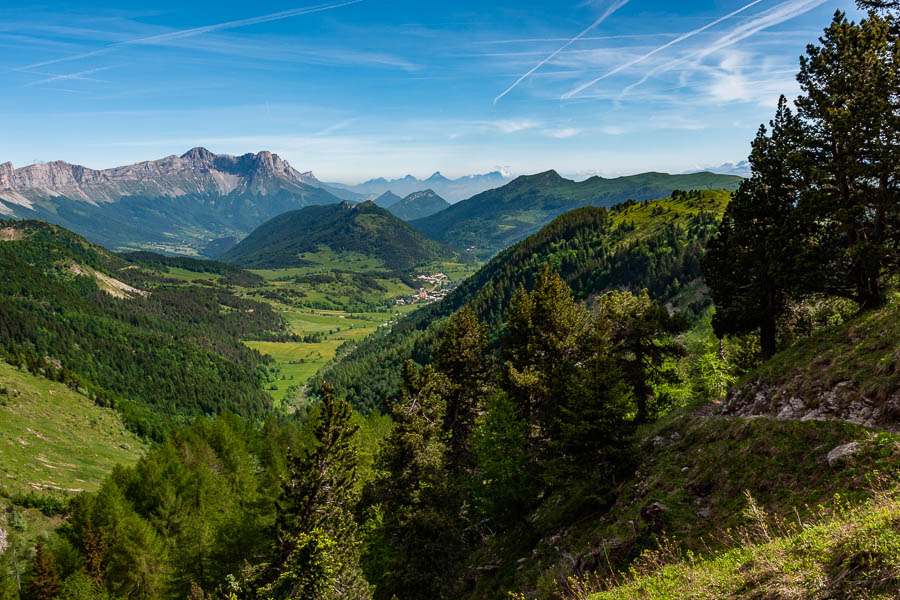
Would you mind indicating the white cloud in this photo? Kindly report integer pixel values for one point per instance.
(563, 133)
(513, 126)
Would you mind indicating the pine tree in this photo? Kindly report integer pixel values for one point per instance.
(545, 332)
(462, 358)
(44, 583)
(422, 525)
(316, 555)
(750, 264)
(878, 4)
(852, 116)
(640, 333)
(94, 551)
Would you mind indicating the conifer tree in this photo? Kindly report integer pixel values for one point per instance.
(640, 334)
(545, 332)
(878, 4)
(750, 264)
(94, 551)
(852, 115)
(44, 583)
(462, 358)
(316, 555)
(422, 525)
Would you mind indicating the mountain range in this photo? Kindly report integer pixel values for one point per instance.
(178, 204)
(493, 220)
(202, 203)
(453, 190)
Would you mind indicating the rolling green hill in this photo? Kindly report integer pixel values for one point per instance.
(363, 229)
(496, 219)
(655, 244)
(419, 205)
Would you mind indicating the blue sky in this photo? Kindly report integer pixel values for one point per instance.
(366, 88)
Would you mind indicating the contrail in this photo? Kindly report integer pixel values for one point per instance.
(197, 31)
(80, 75)
(773, 16)
(602, 18)
(681, 38)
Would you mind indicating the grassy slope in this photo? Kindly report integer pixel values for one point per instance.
(824, 531)
(53, 438)
(863, 351)
(699, 468)
(849, 551)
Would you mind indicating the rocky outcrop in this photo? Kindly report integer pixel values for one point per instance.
(7, 174)
(841, 452)
(843, 401)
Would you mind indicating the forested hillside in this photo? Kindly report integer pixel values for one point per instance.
(496, 219)
(655, 245)
(125, 335)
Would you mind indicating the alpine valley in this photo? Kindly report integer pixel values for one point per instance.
(224, 379)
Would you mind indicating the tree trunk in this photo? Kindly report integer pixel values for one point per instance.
(767, 339)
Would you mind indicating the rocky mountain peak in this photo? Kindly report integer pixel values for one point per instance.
(200, 156)
(266, 163)
(56, 174)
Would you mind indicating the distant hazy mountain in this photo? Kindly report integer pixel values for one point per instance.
(419, 205)
(365, 229)
(740, 168)
(176, 204)
(453, 190)
(496, 219)
(387, 199)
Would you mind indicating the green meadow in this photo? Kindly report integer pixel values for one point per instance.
(54, 439)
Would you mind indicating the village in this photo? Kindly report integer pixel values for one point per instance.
(435, 287)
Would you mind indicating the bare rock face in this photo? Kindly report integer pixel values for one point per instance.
(7, 174)
(198, 171)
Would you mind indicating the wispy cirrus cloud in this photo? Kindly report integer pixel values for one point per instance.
(194, 31)
(564, 133)
(606, 14)
(513, 126)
